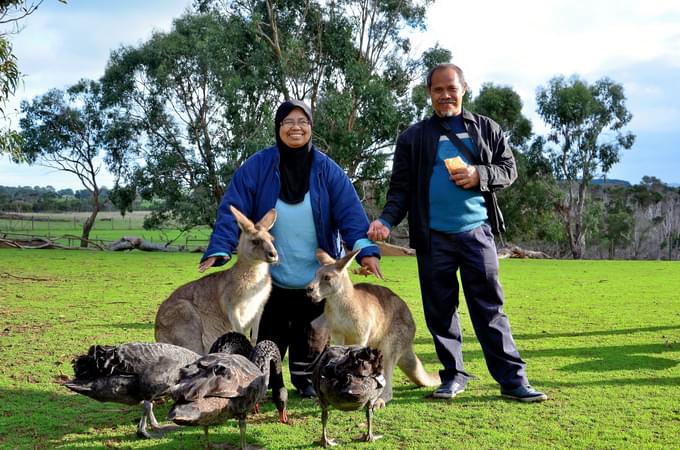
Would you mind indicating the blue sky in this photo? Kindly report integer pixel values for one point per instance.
(521, 44)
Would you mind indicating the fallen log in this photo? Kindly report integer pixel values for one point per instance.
(514, 251)
(34, 243)
(137, 243)
(395, 250)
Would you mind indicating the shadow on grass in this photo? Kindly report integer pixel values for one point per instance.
(600, 358)
(41, 419)
(596, 358)
(411, 395)
(610, 358)
(624, 331)
(653, 382)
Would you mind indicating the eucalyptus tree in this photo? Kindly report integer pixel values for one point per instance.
(199, 100)
(201, 96)
(586, 123)
(72, 132)
(351, 61)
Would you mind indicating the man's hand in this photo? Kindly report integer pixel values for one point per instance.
(370, 265)
(209, 262)
(466, 177)
(377, 231)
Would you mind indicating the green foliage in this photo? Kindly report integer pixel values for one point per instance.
(619, 220)
(202, 95)
(612, 377)
(9, 72)
(528, 205)
(10, 142)
(504, 105)
(579, 115)
(586, 123)
(194, 95)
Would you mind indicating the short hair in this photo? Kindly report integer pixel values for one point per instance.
(459, 71)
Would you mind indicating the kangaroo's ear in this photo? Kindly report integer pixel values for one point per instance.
(267, 221)
(243, 222)
(324, 258)
(345, 261)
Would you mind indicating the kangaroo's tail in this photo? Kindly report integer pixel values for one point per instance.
(414, 370)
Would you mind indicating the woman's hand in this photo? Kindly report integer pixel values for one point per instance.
(210, 261)
(370, 264)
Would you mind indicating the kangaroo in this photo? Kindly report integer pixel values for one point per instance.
(367, 315)
(199, 312)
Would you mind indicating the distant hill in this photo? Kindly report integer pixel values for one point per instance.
(610, 182)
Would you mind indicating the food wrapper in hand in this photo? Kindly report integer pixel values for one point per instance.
(454, 163)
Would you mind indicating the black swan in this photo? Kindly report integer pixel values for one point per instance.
(348, 378)
(236, 343)
(129, 374)
(220, 386)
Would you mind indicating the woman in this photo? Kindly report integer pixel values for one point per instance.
(316, 205)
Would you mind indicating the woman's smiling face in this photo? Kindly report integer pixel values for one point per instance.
(295, 130)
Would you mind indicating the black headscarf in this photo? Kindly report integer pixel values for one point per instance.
(295, 163)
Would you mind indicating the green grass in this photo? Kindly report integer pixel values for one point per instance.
(602, 338)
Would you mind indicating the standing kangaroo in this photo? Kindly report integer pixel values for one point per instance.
(199, 312)
(368, 315)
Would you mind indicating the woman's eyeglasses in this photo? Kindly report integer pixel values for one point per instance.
(299, 122)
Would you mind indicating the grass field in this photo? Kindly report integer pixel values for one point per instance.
(602, 338)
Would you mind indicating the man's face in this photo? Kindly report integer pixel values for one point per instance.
(446, 93)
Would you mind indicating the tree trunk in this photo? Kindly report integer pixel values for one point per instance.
(89, 223)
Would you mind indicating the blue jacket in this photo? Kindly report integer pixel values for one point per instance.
(254, 190)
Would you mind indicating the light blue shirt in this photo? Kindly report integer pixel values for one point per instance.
(295, 241)
(452, 208)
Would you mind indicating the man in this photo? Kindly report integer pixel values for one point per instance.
(449, 226)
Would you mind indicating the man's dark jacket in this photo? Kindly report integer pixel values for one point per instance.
(414, 158)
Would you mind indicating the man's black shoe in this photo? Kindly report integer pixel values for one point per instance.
(525, 394)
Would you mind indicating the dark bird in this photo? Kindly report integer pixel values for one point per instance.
(129, 374)
(348, 378)
(220, 386)
(236, 343)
